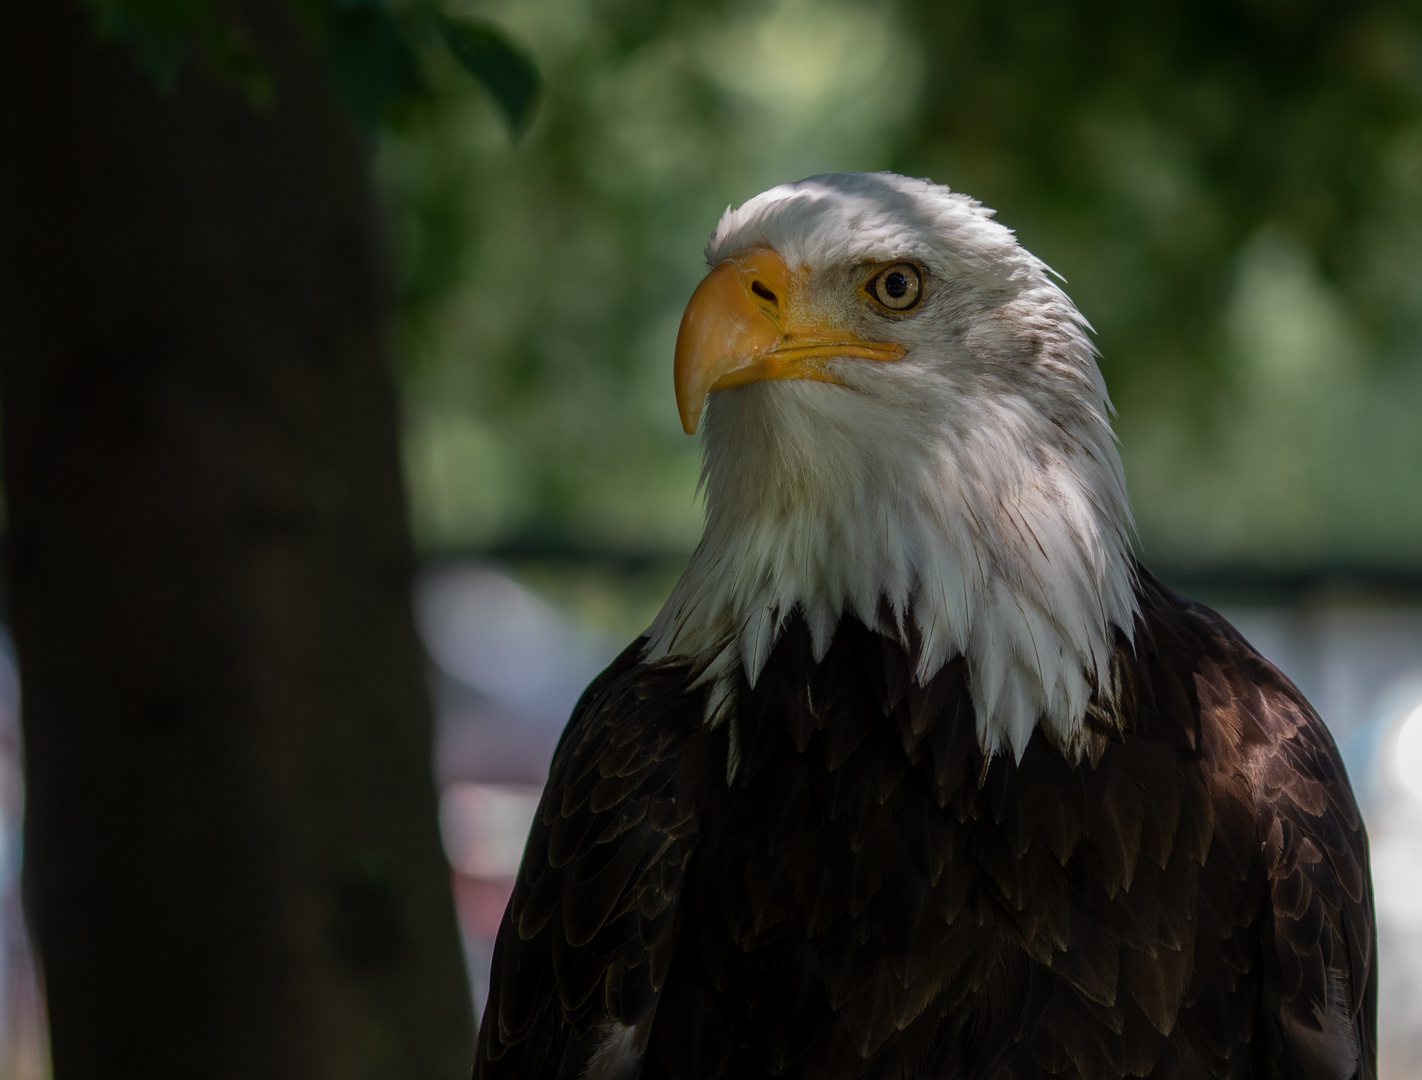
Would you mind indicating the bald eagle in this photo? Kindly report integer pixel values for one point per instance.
(919, 773)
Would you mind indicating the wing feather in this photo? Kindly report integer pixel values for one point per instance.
(587, 940)
(1318, 1020)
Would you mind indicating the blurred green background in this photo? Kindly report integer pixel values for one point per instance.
(1233, 193)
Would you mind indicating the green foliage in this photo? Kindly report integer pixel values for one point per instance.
(158, 32)
(1232, 190)
(1163, 136)
(370, 59)
(494, 60)
(166, 34)
(373, 51)
(375, 54)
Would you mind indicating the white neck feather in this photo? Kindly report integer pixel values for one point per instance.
(1017, 561)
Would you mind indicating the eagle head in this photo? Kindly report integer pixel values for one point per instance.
(902, 419)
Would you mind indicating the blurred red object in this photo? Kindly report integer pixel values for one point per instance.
(484, 828)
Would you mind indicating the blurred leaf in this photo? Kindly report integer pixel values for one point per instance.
(230, 55)
(369, 59)
(165, 34)
(487, 54)
(160, 32)
(154, 16)
(369, 52)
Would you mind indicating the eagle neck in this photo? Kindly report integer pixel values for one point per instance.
(953, 545)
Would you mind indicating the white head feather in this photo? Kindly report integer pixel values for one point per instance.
(974, 485)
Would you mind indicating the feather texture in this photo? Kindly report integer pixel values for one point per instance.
(918, 774)
(873, 895)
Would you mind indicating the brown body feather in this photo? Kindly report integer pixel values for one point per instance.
(868, 896)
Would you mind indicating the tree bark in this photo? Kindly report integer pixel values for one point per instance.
(232, 859)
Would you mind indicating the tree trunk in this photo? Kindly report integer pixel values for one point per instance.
(232, 859)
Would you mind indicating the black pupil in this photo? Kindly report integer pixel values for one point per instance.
(896, 284)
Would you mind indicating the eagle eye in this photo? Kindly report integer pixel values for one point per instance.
(898, 286)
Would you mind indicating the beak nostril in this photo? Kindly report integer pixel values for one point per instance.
(760, 290)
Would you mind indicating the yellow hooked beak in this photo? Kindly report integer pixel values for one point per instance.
(735, 331)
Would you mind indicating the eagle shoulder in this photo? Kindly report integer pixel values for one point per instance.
(1277, 779)
(590, 930)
